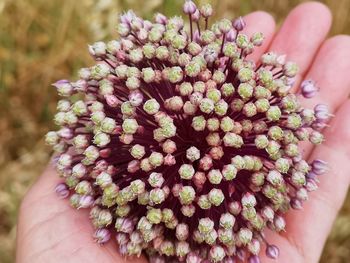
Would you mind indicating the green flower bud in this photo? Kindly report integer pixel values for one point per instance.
(187, 195)
(130, 126)
(245, 74)
(275, 133)
(233, 140)
(230, 50)
(154, 216)
(242, 40)
(203, 202)
(186, 171)
(274, 113)
(216, 196)
(245, 90)
(157, 196)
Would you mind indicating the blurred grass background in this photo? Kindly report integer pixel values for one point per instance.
(42, 41)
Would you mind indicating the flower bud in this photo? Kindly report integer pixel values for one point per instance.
(308, 88)
(64, 88)
(216, 196)
(217, 253)
(187, 195)
(272, 251)
(86, 201)
(239, 23)
(189, 7)
(245, 235)
(227, 221)
(182, 232)
(98, 49)
(62, 190)
(206, 10)
(248, 200)
(102, 235)
(319, 167)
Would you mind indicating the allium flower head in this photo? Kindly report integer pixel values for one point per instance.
(180, 146)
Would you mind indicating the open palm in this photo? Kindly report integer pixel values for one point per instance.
(50, 231)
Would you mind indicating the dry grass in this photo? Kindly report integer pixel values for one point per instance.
(42, 41)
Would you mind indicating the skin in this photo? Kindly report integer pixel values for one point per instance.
(50, 231)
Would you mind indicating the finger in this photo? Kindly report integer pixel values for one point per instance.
(330, 71)
(41, 199)
(302, 33)
(260, 22)
(308, 229)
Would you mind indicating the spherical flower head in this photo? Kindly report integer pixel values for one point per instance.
(180, 146)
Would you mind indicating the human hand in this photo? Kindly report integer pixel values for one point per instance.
(50, 231)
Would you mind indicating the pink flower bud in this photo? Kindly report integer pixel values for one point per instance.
(296, 204)
(231, 35)
(133, 166)
(80, 85)
(122, 238)
(311, 185)
(125, 225)
(199, 179)
(279, 223)
(248, 200)
(105, 153)
(196, 36)
(196, 15)
(272, 251)
(112, 101)
(127, 17)
(322, 112)
(319, 167)
(189, 7)
(86, 201)
(254, 259)
(65, 133)
(206, 162)
(64, 87)
(239, 24)
(193, 258)
(135, 98)
(308, 88)
(160, 19)
(79, 170)
(101, 165)
(102, 236)
(62, 190)
(123, 250)
(169, 160)
(319, 125)
(235, 207)
(182, 232)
